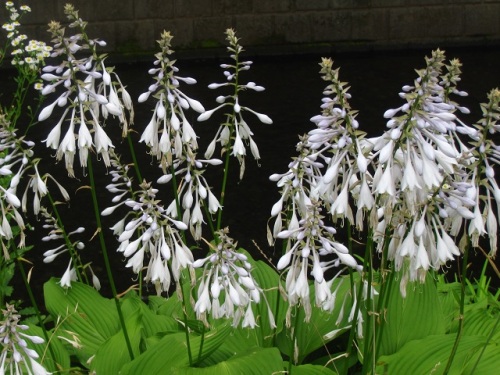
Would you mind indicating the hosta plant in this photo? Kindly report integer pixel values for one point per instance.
(363, 224)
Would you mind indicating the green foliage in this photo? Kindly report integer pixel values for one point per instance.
(415, 316)
(54, 357)
(83, 311)
(430, 355)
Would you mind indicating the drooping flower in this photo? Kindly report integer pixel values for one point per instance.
(87, 90)
(17, 355)
(234, 133)
(227, 287)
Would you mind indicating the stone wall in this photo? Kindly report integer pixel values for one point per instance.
(277, 26)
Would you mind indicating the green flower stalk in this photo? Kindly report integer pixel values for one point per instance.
(319, 179)
(173, 142)
(234, 131)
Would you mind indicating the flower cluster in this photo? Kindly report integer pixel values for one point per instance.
(31, 54)
(306, 190)
(487, 193)
(16, 357)
(234, 132)
(173, 141)
(227, 275)
(16, 161)
(148, 234)
(90, 95)
(75, 270)
(421, 180)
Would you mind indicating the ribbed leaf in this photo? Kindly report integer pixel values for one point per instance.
(83, 310)
(113, 354)
(311, 370)
(61, 361)
(171, 352)
(255, 361)
(430, 356)
(322, 327)
(482, 322)
(151, 323)
(416, 316)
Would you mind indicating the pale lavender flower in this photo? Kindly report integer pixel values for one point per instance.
(17, 356)
(149, 237)
(173, 141)
(421, 179)
(227, 287)
(305, 244)
(330, 170)
(234, 132)
(87, 90)
(485, 194)
(17, 162)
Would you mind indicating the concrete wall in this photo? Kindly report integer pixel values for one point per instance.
(276, 26)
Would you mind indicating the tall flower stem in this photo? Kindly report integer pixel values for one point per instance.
(461, 310)
(106, 258)
(76, 259)
(370, 336)
(224, 183)
(134, 158)
(183, 295)
(359, 296)
(188, 341)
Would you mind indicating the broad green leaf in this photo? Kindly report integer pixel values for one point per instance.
(482, 322)
(417, 315)
(171, 352)
(255, 361)
(81, 310)
(151, 322)
(114, 353)
(430, 356)
(448, 295)
(323, 326)
(311, 370)
(60, 363)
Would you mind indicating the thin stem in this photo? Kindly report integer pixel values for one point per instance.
(188, 341)
(292, 336)
(359, 295)
(370, 315)
(224, 184)
(106, 258)
(134, 158)
(179, 217)
(76, 259)
(461, 312)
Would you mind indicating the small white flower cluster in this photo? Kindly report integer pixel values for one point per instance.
(35, 52)
(173, 141)
(16, 160)
(16, 357)
(234, 132)
(157, 237)
(90, 95)
(227, 275)
(57, 233)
